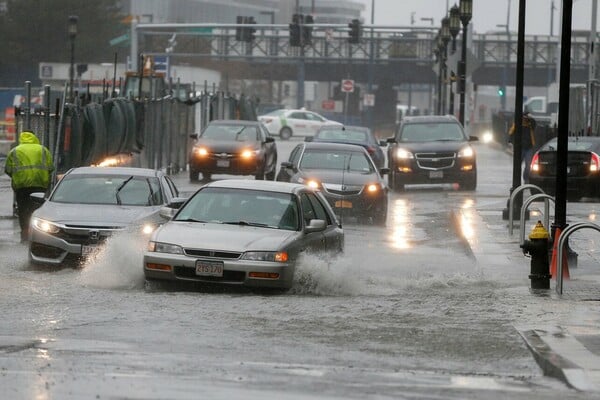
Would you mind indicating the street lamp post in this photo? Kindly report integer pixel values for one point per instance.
(445, 36)
(466, 12)
(72, 30)
(454, 30)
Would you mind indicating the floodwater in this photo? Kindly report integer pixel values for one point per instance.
(406, 312)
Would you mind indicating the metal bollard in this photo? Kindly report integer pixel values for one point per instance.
(537, 248)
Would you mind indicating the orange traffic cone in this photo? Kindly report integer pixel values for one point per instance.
(553, 263)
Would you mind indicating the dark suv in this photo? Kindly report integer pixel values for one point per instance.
(431, 150)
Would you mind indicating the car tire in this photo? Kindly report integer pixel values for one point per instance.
(469, 184)
(193, 175)
(285, 133)
(394, 184)
(260, 175)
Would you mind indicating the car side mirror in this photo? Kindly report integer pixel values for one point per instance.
(38, 197)
(176, 202)
(287, 165)
(194, 136)
(308, 139)
(269, 139)
(384, 171)
(391, 139)
(315, 225)
(167, 212)
(473, 139)
(383, 142)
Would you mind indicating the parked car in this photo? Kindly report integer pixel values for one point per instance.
(431, 150)
(346, 175)
(583, 167)
(358, 135)
(243, 232)
(233, 147)
(288, 123)
(89, 204)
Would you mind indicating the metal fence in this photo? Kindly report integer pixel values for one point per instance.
(150, 133)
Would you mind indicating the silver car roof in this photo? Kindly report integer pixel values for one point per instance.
(270, 186)
(143, 172)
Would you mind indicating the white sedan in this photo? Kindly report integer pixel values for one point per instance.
(287, 123)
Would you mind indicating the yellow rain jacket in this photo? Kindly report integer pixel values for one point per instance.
(29, 164)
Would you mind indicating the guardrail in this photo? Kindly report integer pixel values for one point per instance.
(564, 235)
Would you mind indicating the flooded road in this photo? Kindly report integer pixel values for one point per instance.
(407, 312)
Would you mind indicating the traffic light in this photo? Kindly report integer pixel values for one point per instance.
(239, 31)
(355, 31)
(307, 29)
(501, 91)
(295, 33)
(250, 31)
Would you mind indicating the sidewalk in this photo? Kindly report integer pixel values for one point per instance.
(565, 341)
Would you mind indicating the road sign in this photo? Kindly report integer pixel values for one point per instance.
(347, 86)
(369, 100)
(328, 105)
(119, 39)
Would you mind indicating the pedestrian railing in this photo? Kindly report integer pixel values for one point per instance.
(526, 204)
(564, 236)
(511, 201)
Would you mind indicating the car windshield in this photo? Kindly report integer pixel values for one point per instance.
(229, 133)
(336, 160)
(108, 189)
(242, 207)
(427, 132)
(339, 135)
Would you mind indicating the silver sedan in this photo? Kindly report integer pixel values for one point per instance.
(89, 204)
(243, 232)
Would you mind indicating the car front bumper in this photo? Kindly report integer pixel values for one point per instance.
(412, 173)
(178, 267)
(229, 166)
(49, 249)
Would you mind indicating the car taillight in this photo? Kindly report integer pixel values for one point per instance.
(595, 163)
(535, 163)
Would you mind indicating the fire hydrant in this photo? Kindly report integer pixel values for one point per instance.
(537, 248)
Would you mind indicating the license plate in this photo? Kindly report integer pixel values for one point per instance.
(223, 163)
(343, 204)
(209, 268)
(88, 250)
(436, 174)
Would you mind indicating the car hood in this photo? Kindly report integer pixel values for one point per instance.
(224, 237)
(96, 214)
(433, 146)
(218, 146)
(337, 177)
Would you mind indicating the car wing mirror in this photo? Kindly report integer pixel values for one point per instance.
(167, 212)
(176, 202)
(308, 139)
(287, 165)
(473, 139)
(391, 139)
(315, 225)
(269, 139)
(384, 171)
(194, 136)
(38, 197)
(383, 142)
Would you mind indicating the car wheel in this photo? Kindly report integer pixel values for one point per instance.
(206, 176)
(379, 217)
(285, 133)
(470, 184)
(193, 175)
(260, 175)
(394, 184)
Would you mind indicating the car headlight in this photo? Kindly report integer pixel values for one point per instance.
(466, 152)
(404, 154)
(272, 256)
(159, 247)
(373, 187)
(311, 183)
(201, 151)
(44, 226)
(249, 153)
(147, 229)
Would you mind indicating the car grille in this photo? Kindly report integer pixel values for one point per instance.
(228, 276)
(79, 234)
(578, 163)
(435, 160)
(230, 255)
(343, 190)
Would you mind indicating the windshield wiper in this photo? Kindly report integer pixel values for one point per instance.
(246, 223)
(190, 220)
(151, 197)
(121, 186)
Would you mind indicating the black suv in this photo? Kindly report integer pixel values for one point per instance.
(431, 150)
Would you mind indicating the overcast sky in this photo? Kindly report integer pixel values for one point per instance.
(486, 14)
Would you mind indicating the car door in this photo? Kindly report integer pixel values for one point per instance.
(314, 122)
(299, 123)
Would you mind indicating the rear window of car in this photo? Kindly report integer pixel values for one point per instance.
(574, 145)
(342, 135)
(335, 160)
(102, 189)
(427, 132)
